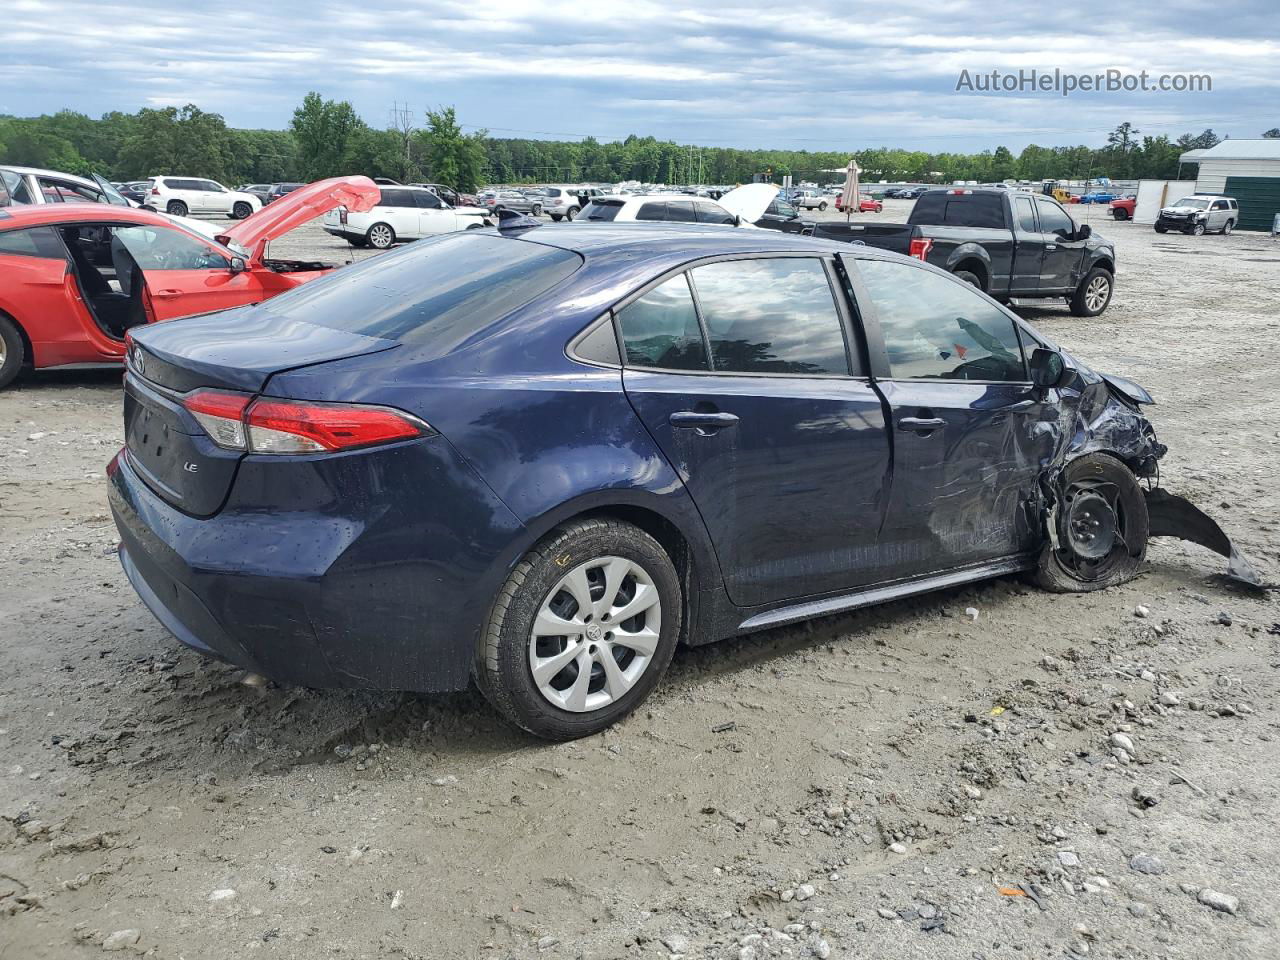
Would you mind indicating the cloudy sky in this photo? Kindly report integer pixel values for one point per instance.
(827, 77)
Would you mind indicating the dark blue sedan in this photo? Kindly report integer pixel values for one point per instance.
(540, 458)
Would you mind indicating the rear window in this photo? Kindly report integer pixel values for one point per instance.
(959, 210)
(437, 291)
(601, 210)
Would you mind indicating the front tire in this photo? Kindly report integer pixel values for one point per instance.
(571, 214)
(241, 210)
(380, 236)
(176, 208)
(1197, 230)
(12, 352)
(1102, 528)
(1160, 229)
(582, 631)
(1120, 214)
(1094, 293)
(537, 210)
(556, 217)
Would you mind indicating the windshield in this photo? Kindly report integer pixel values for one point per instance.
(601, 210)
(436, 291)
(1193, 202)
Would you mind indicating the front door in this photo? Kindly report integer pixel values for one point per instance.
(1062, 252)
(968, 450)
(433, 216)
(779, 441)
(183, 274)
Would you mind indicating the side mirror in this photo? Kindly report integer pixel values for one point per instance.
(238, 265)
(1084, 232)
(1048, 369)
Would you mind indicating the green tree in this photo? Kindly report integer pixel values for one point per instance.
(1272, 134)
(328, 133)
(451, 156)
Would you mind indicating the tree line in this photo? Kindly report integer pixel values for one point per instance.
(328, 138)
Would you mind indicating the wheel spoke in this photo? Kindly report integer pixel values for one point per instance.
(615, 572)
(643, 642)
(646, 596)
(615, 681)
(549, 624)
(580, 588)
(577, 698)
(545, 670)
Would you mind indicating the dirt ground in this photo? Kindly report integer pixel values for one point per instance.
(906, 782)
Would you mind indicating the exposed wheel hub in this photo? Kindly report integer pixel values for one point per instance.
(1091, 526)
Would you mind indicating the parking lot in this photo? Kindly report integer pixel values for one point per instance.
(930, 778)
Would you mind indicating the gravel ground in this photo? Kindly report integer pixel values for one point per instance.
(1059, 776)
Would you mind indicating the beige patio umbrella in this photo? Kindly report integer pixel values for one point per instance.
(849, 198)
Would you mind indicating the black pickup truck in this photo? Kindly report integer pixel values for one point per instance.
(1007, 243)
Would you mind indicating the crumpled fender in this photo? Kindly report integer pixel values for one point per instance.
(1106, 417)
(1172, 516)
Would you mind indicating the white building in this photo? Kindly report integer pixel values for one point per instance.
(1248, 170)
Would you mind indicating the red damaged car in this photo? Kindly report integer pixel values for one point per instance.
(74, 277)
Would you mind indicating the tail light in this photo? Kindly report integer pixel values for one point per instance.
(155, 191)
(236, 421)
(342, 214)
(920, 247)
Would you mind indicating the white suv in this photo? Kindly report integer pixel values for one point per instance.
(560, 202)
(402, 213)
(740, 207)
(187, 196)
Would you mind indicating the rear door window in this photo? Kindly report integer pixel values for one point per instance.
(660, 329)
(652, 211)
(1026, 212)
(680, 212)
(771, 316)
(937, 328)
(397, 198)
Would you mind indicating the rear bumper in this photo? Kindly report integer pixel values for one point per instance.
(307, 592)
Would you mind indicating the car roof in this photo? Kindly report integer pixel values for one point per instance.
(663, 240)
(43, 214)
(39, 172)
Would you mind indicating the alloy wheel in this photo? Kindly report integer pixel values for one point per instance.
(380, 236)
(1095, 295)
(595, 634)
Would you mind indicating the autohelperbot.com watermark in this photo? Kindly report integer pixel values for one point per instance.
(1065, 84)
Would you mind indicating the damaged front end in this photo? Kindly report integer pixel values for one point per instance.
(1083, 517)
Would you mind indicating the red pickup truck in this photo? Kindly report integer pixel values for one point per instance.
(1122, 208)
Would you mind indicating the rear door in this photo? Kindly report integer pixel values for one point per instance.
(1028, 248)
(1062, 252)
(399, 208)
(741, 371)
(184, 274)
(967, 450)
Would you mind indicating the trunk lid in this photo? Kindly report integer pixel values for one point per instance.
(237, 349)
(297, 207)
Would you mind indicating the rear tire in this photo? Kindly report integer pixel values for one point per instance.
(241, 210)
(1120, 214)
(571, 214)
(380, 236)
(540, 590)
(1161, 230)
(822, 207)
(1093, 295)
(537, 210)
(176, 208)
(556, 217)
(969, 277)
(1102, 502)
(1228, 227)
(12, 352)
